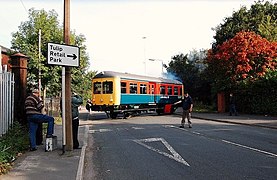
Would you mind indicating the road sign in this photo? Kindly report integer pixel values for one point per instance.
(63, 55)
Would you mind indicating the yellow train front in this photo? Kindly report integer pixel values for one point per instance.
(125, 93)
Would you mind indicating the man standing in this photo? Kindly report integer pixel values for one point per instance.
(187, 105)
(232, 105)
(76, 101)
(33, 107)
(88, 105)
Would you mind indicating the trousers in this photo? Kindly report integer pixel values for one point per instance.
(186, 114)
(34, 120)
(75, 127)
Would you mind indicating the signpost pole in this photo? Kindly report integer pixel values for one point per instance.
(63, 106)
(66, 56)
(68, 115)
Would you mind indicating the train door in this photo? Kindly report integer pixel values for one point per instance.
(152, 90)
(97, 95)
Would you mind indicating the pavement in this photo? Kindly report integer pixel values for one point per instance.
(56, 165)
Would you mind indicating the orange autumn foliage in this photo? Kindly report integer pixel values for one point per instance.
(246, 56)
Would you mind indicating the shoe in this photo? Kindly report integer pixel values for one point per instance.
(33, 149)
(51, 136)
(182, 126)
(190, 126)
(77, 148)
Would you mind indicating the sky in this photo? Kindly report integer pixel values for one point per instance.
(122, 35)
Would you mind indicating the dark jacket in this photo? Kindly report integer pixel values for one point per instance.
(187, 102)
(76, 101)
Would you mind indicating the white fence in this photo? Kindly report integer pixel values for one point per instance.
(6, 99)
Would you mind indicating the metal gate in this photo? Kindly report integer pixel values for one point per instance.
(6, 99)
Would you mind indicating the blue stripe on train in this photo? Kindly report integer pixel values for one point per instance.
(136, 99)
(146, 99)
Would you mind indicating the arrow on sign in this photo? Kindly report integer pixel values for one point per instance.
(73, 56)
(174, 155)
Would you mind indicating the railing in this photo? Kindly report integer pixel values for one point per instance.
(52, 107)
(6, 99)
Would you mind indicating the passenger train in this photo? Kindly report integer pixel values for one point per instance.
(125, 93)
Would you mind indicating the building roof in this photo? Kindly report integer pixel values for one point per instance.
(4, 50)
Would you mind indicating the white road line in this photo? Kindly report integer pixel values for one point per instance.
(137, 128)
(253, 149)
(80, 170)
(194, 132)
(99, 130)
(175, 156)
(236, 144)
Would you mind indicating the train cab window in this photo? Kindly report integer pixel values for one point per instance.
(133, 88)
(97, 88)
(162, 90)
(123, 87)
(175, 90)
(169, 90)
(143, 89)
(107, 87)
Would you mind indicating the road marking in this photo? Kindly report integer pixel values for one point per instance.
(193, 132)
(229, 142)
(99, 130)
(247, 147)
(170, 126)
(137, 128)
(175, 156)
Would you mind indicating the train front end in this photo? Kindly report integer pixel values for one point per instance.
(105, 92)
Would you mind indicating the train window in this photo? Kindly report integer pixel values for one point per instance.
(169, 90)
(152, 89)
(97, 88)
(143, 89)
(123, 87)
(175, 90)
(162, 90)
(133, 88)
(107, 87)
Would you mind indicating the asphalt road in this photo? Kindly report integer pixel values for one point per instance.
(154, 147)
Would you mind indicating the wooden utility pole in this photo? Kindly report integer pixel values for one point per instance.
(68, 115)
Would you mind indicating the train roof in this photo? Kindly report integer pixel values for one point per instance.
(105, 74)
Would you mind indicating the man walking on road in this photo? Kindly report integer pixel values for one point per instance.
(187, 105)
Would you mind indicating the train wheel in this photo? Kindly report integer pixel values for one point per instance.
(159, 111)
(126, 115)
(113, 115)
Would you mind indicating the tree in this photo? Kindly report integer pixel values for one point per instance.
(191, 70)
(198, 58)
(184, 69)
(25, 40)
(246, 57)
(261, 18)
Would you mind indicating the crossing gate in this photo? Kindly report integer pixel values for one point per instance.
(6, 99)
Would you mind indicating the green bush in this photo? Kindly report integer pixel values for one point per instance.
(258, 97)
(14, 142)
(200, 107)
